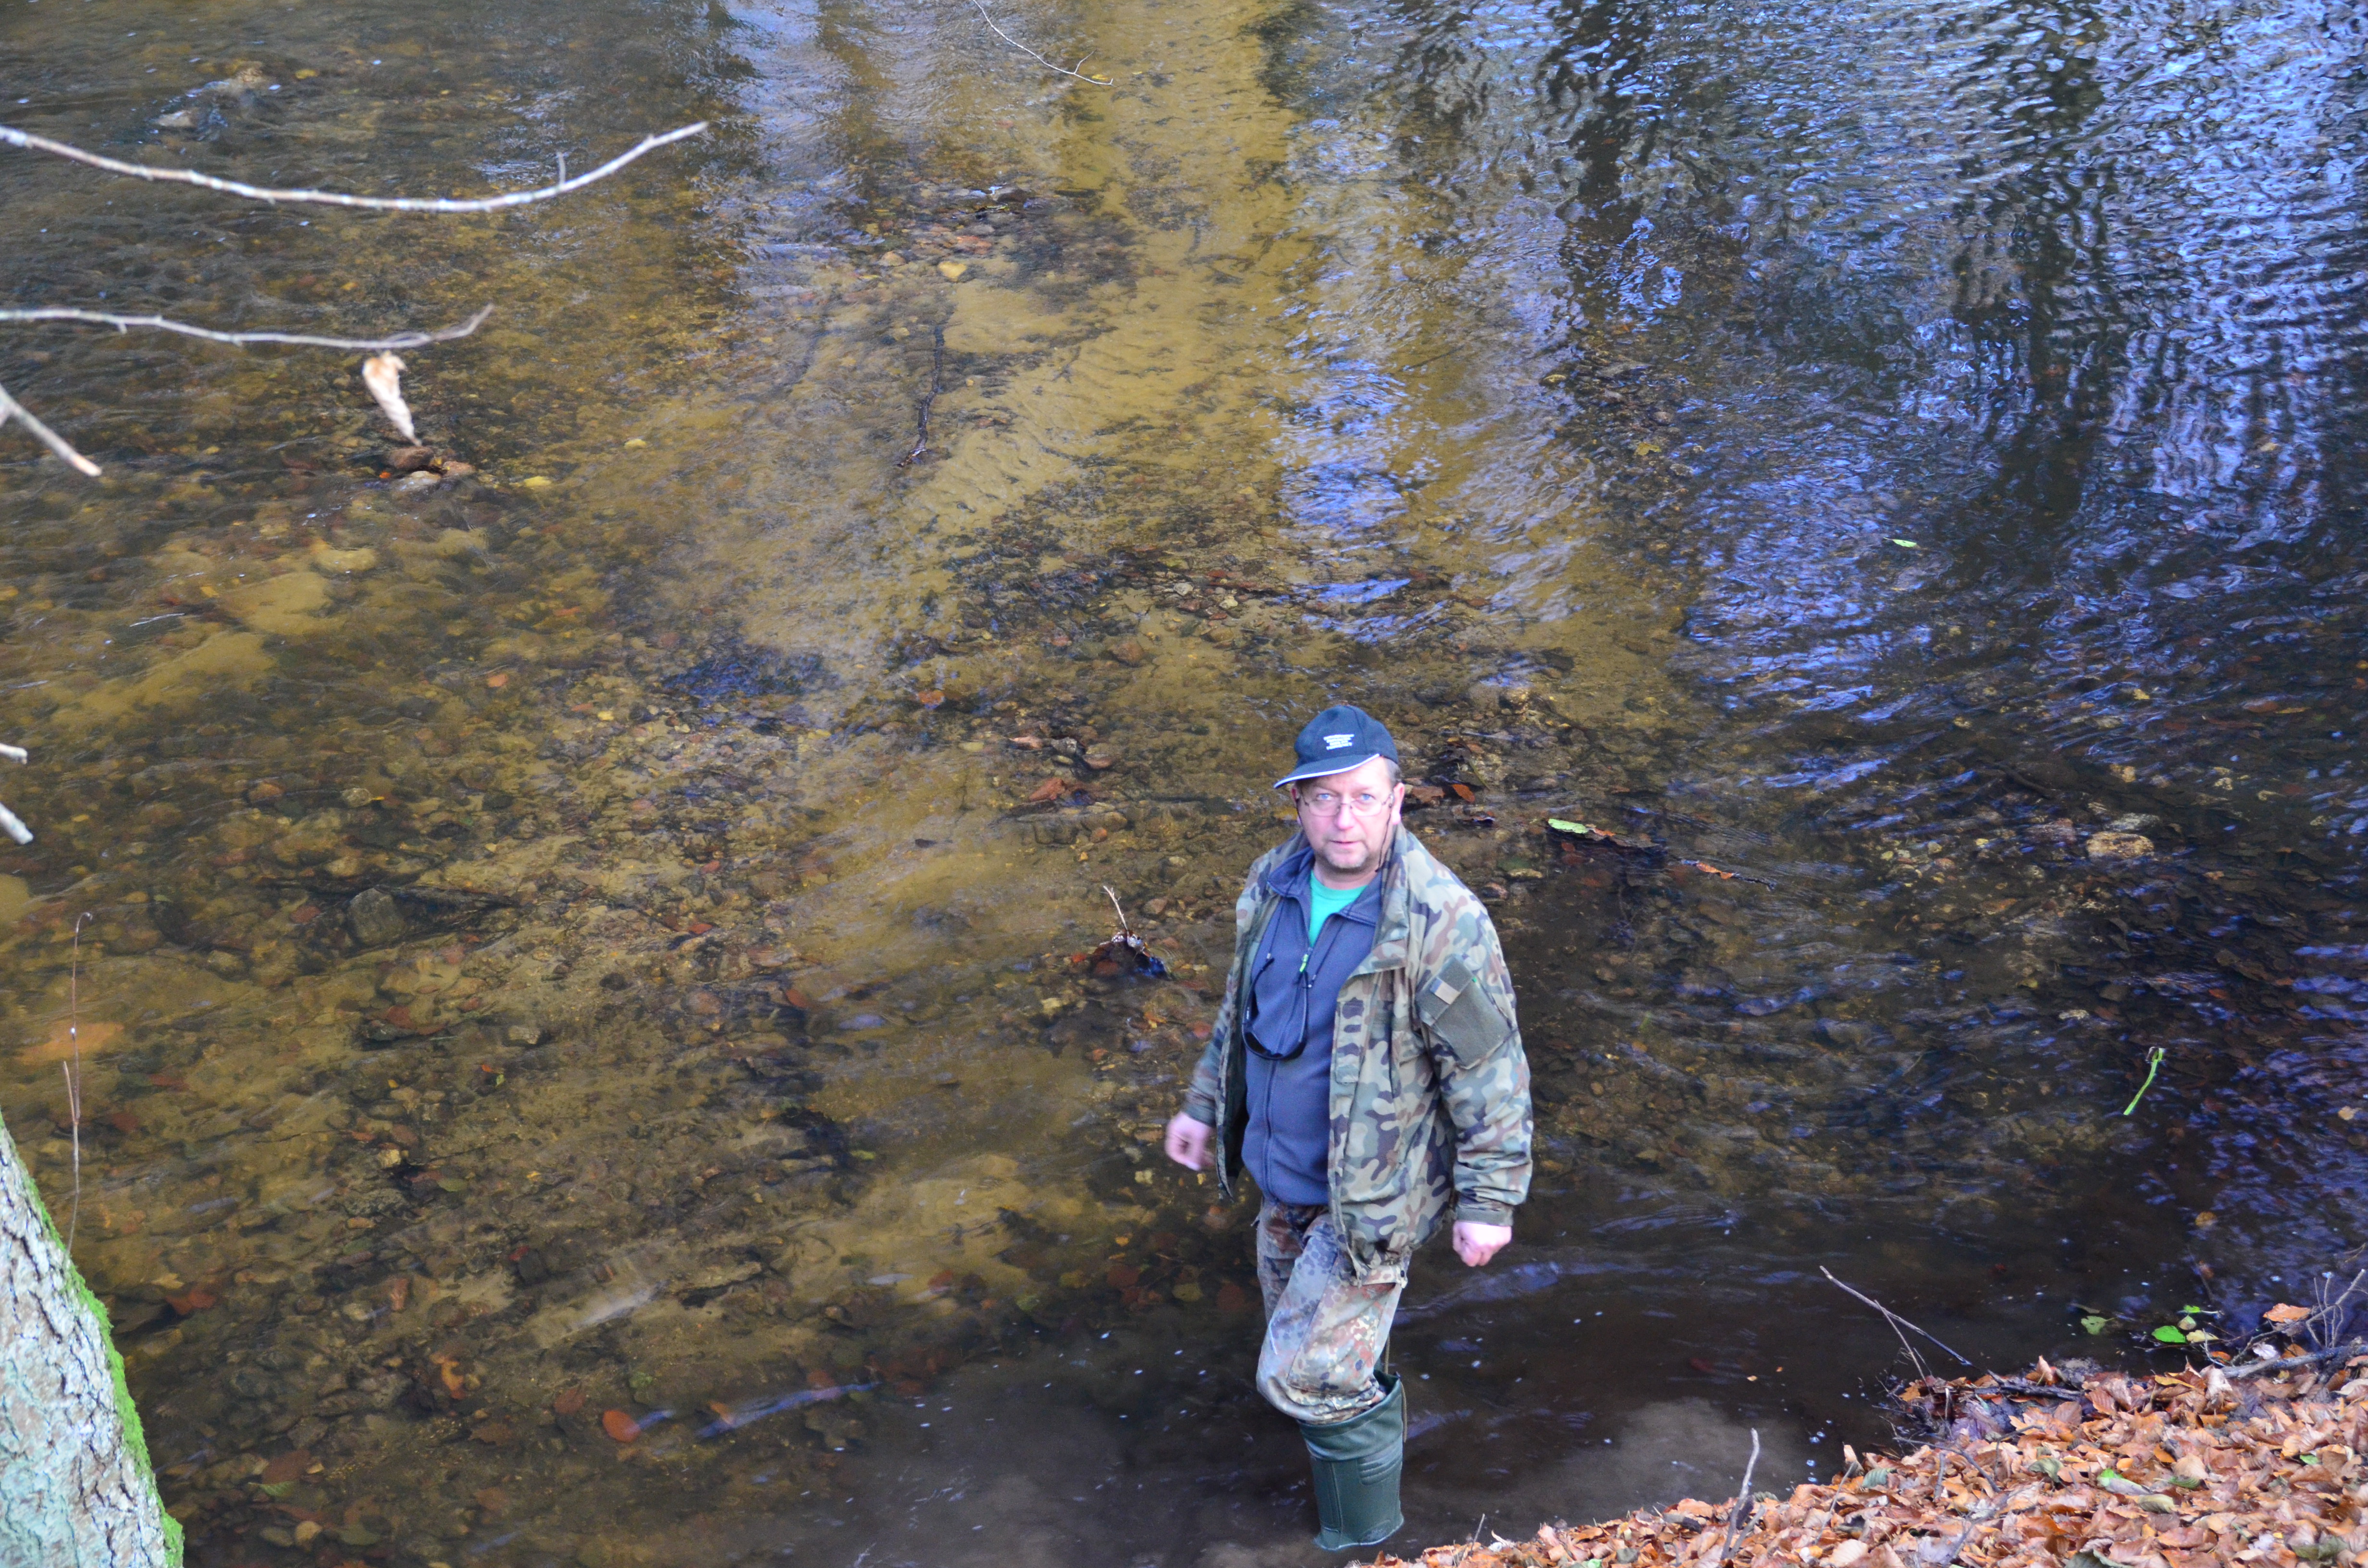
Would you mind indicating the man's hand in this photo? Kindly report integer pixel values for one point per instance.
(1188, 1145)
(1475, 1244)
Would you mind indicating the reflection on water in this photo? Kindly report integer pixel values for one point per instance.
(585, 1060)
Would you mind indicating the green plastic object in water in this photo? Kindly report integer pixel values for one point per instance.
(1357, 1465)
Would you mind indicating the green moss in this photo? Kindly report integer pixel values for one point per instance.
(135, 1439)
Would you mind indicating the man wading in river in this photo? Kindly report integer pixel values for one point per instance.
(1367, 1070)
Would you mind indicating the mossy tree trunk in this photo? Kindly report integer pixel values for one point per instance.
(75, 1487)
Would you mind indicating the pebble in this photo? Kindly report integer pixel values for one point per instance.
(2112, 846)
(327, 559)
(376, 920)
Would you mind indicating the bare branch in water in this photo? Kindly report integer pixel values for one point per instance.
(1079, 74)
(1742, 1502)
(1898, 1325)
(74, 1074)
(301, 340)
(11, 409)
(30, 143)
(10, 823)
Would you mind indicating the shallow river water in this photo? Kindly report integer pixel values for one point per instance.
(584, 1054)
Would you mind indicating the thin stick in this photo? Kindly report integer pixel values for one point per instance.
(1896, 1322)
(989, 20)
(74, 1074)
(2325, 1323)
(1742, 1502)
(301, 340)
(2295, 1363)
(11, 409)
(10, 823)
(30, 143)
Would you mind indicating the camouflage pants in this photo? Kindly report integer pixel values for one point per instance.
(1325, 1333)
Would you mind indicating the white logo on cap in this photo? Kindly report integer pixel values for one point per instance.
(1337, 742)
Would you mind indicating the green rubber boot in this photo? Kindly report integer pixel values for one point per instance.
(1357, 1465)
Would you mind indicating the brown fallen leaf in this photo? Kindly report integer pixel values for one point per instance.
(1048, 792)
(619, 1425)
(194, 1300)
(2282, 1313)
(286, 1467)
(568, 1402)
(932, 699)
(1463, 791)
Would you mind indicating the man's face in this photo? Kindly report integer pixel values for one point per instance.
(1349, 818)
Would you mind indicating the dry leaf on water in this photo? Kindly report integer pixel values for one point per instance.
(2282, 1313)
(382, 373)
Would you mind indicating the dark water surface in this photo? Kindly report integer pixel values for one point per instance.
(595, 934)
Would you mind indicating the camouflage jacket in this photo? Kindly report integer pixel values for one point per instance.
(1430, 1090)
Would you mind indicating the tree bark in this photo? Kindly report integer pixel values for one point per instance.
(75, 1487)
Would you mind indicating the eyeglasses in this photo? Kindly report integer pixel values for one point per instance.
(1325, 803)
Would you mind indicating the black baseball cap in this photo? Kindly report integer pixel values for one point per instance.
(1337, 740)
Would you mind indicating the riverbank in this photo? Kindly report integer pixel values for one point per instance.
(2189, 1468)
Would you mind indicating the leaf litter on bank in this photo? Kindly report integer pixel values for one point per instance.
(2117, 1471)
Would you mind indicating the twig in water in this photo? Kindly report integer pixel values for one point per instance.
(73, 1072)
(2325, 1323)
(1742, 1502)
(1896, 1322)
(988, 18)
(921, 411)
(2296, 1363)
(10, 823)
(1723, 873)
(30, 143)
(2154, 1065)
(11, 409)
(301, 340)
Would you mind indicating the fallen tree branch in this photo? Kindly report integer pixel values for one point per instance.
(1742, 1502)
(301, 340)
(1896, 1322)
(30, 143)
(985, 16)
(11, 409)
(2295, 1363)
